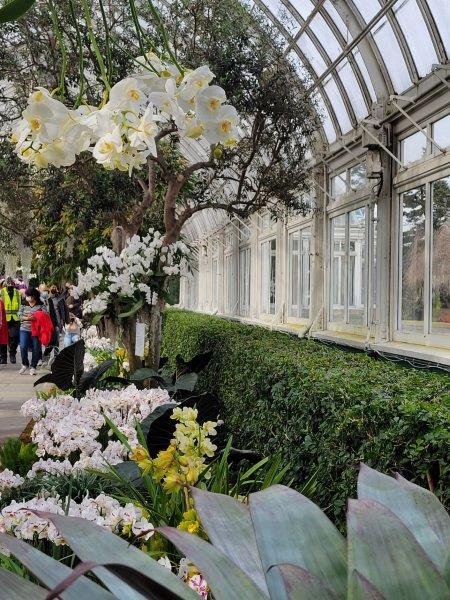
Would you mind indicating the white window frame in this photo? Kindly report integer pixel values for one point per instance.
(426, 337)
(299, 229)
(244, 283)
(262, 287)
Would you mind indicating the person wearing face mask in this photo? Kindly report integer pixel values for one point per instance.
(27, 340)
(12, 301)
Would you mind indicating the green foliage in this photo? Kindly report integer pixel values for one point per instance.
(14, 9)
(276, 545)
(283, 546)
(17, 456)
(323, 407)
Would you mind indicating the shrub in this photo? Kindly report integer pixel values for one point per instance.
(324, 407)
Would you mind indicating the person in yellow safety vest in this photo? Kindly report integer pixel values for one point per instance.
(12, 301)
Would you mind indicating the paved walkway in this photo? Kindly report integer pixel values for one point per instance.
(14, 390)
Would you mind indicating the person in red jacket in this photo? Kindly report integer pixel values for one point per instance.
(42, 327)
(3, 334)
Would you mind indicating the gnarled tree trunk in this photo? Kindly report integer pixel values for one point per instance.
(151, 316)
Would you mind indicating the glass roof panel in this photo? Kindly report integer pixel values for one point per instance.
(441, 14)
(286, 18)
(325, 36)
(368, 8)
(312, 54)
(415, 30)
(304, 7)
(337, 20)
(327, 123)
(339, 108)
(389, 47)
(365, 73)
(351, 85)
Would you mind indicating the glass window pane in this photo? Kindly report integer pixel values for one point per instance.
(339, 184)
(338, 262)
(327, 123)
(441, 14)
(365, 73)
(294, 253)
(285, 17)
(415, 30)
(413, 148)
(389, 47)
(368, 8)
(413, 259)
(305, 270)
(326, 37)
(441, 132)
(268, 274)
(338, 104)
(308, 48)
(304, 7)
(358, 176)
(351, 85)
(441, 257)
(244, 281)
(214, 283)
(357, 266)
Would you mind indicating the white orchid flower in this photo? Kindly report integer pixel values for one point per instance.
(44, 122)
(195, 81)
(146, 130)
(167, 102)
(209, 102)
(127, 94)
(194, 128)
(108, 147)
(223, 129)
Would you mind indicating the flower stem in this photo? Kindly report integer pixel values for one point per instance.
(95, 48)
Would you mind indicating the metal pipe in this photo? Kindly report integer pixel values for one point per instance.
(417, 126)
(370, 134)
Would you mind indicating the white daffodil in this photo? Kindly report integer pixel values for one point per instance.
(20, 132)
(223, 128)
(145, 131)
(195, 81)
(127, 95)
(108, 147)
(59, 154)
(209, 102)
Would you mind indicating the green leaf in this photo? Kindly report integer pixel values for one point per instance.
(133, 310)
(229, 527)
(417, 508)
(290, 529)
(224, 578)
(91, 542)
(14, 587)
(385, 552)
(302, 585)
(14, 10)
(186, 382)
(97, 318)
(361, 589)
(129, 471)
(50, 572)
(144, 373)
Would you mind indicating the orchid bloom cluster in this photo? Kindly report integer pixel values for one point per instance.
(66, 427)
(130, 274)
(9, 480)
(128, 520)
(121, 134)
(185, 459)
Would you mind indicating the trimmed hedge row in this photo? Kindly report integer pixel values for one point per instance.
(323, 407)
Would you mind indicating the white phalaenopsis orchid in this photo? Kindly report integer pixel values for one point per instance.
(121, 134)
(139, 271)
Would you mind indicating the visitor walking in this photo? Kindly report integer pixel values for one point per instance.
(12, 301)
(73, 304)
(55, 309)
(28, 341)
(3, 334)
(72, 330)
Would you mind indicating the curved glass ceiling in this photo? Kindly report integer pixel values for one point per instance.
(356, 52)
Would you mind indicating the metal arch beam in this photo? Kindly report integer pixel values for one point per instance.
(308, 66)
(306, 22)
(404, 46)
(351, 59)
(305, 29)
(433, 30)
(369, 50)
(321, 50)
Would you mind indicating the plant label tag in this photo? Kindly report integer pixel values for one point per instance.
(139, 348)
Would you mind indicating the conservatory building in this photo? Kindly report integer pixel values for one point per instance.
(369, 264)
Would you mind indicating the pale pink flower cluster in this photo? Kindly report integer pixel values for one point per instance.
(65, 425)
(9, 480)
(50, 467)
(128, 520)
(99, 343)
(89, 362)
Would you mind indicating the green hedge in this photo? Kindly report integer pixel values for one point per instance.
(324, 407)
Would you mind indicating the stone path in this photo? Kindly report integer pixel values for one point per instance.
(14, 390)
